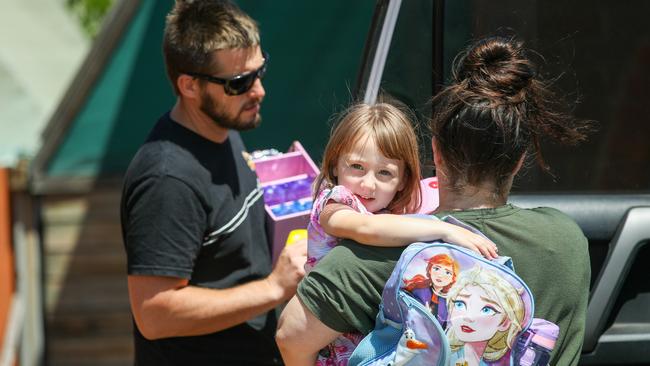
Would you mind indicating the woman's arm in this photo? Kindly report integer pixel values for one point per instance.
(301, 335)
(398, 230)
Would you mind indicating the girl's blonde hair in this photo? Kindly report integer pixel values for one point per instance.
(393, 133)
(499, 290)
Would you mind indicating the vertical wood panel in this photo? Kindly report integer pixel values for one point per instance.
(7, 274)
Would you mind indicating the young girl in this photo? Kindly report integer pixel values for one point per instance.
(370, 175)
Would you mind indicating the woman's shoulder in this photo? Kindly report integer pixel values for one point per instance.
(553, 226)
(549, 216)
(354, 259)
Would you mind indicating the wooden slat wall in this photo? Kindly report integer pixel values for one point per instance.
(87, 308)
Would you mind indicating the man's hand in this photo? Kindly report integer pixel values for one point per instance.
(289, 269)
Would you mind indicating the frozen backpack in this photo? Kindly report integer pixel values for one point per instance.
(445, 305)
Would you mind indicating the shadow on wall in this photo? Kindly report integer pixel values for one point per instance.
(88, 316)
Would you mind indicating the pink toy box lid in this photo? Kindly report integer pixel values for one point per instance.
(294, 165)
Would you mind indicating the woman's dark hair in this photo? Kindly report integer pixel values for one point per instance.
(496, 109)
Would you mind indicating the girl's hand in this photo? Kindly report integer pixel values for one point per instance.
(467, 239)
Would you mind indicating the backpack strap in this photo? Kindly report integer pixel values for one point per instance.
(502, 260)
(389, 297)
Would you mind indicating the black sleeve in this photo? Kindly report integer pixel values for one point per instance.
(164, 227)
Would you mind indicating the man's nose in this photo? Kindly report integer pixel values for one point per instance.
(257, 90)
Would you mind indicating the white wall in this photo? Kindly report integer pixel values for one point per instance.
(41, 48)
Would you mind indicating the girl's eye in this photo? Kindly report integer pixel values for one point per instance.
(459, 305)
(448, 273)
(386, 173)
(488, 311)
(356, 166)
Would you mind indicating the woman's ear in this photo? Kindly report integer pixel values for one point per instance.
(437, 162)
(520, 163)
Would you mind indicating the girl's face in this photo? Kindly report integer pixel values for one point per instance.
(372, 177)
(475, 317)
(441, 275)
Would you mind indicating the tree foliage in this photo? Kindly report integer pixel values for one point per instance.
(90, 13)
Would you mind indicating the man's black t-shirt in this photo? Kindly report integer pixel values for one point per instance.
(192, 209)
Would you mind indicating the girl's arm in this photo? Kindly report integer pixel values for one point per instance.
(388, 230)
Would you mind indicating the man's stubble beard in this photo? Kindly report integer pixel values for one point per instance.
(212, 110)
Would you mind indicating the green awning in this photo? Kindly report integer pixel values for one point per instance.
(122, 89)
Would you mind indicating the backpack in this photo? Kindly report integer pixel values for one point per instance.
(443, 302)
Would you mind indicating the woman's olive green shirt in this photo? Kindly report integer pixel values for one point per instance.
(549, 252)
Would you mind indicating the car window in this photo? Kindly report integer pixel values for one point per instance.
(596, 53)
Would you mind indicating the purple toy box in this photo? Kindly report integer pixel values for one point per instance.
(287, 183)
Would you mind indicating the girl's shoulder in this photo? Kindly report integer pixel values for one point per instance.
(336, 194)
(339, 194)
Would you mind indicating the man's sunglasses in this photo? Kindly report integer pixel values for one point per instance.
(238, 84)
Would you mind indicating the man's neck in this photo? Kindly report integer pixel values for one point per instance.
(196, 121)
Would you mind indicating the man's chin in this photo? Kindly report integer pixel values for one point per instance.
(238, 124)
(252, 124)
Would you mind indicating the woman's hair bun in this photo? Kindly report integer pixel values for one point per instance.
(495, 66)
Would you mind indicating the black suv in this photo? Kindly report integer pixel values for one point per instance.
(599, 52)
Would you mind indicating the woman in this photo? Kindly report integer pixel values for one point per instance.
(494, 114)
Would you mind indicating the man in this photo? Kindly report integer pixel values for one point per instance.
(200, 281)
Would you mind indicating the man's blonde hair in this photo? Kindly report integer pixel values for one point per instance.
(196, 28)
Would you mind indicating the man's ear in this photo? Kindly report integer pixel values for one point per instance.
(188, 86)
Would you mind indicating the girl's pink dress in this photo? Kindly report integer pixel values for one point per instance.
(320, 243)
